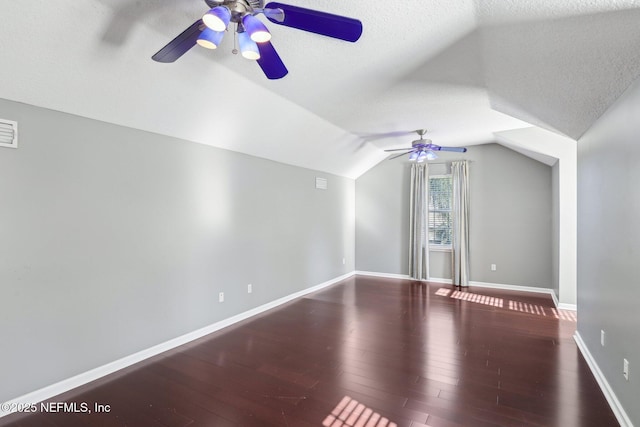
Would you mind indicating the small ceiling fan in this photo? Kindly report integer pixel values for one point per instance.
(253, 35)
(422, 149)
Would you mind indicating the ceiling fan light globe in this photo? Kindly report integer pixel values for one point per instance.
(422, 157)
(210, 39)
(248, 48)
(261, 36)
(256, 29)
(430, 155)
(217, 18)
(413, 156)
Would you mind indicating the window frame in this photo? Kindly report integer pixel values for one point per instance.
(434, 246)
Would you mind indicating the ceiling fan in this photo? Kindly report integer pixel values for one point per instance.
(422, 149)
(253, 35)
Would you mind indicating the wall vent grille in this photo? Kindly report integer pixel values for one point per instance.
(8, 133)
(321, 183)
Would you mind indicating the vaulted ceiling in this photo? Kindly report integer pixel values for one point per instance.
(463, 69)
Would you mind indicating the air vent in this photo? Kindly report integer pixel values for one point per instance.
(8, 134)
(321, 183)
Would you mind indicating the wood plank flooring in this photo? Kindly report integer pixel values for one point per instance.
(366, 352)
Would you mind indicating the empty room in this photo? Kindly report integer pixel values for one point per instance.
(338, 214)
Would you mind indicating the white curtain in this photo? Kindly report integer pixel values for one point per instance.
(418, 226)
(460, 241)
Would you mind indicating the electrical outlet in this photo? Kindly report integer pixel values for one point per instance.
(493, 267)
(625, 369)
(602, 337)
(221, 297)
(344, 261)
(249, 288)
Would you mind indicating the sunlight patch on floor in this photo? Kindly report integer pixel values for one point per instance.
(443, 292)
(477, 298)
(569, 315)
(522, 307)
(351, 413)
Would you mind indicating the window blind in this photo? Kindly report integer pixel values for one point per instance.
(440, 216)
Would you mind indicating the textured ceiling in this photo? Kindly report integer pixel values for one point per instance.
(462, 69)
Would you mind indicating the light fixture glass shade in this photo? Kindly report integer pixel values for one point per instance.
(431, 155)
(256, 29)
(210, 39)
(274, 14)
(248, 47)
(413, 155)
(217, 18)
(422, 156)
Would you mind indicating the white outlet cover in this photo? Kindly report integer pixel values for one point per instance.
(221, 297)
(625, 369)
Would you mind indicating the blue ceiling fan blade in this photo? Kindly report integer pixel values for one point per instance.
(326, 24)
(181, 44)
(401, 154)
(270, 61)
(453, 149)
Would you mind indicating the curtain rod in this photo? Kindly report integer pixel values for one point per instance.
(446, 163)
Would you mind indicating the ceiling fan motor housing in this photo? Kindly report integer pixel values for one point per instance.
(238, 8)
(421, 142)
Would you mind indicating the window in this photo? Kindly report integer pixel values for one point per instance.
(440, 215)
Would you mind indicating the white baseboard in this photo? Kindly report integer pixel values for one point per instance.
(101, 371)
(562, 306)
(401, 277)
(511, 287)
(569, 307)
(384, 275)
(555, 299)
(439, 280)
(613, 401)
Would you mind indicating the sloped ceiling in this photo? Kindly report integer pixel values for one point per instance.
(463, 69)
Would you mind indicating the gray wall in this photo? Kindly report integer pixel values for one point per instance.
(113, 240)
(555, 227)
(382, 216)
(609, 245)
(510, 223)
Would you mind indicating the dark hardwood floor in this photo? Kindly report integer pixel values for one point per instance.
(367, 352)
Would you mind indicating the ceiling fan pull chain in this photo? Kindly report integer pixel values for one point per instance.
(235, 41)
